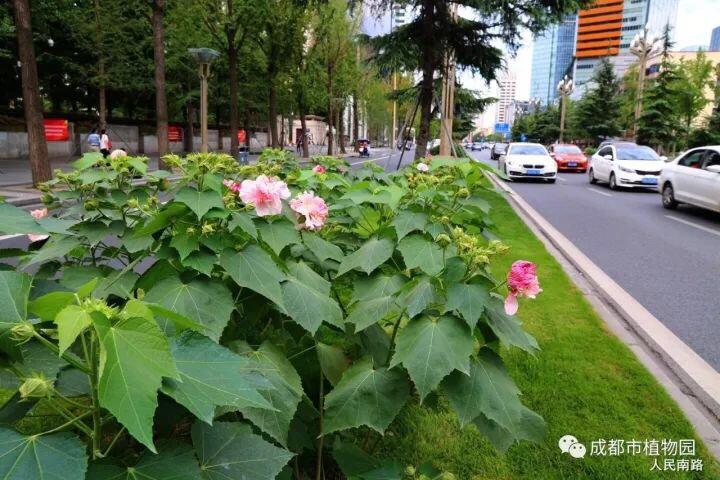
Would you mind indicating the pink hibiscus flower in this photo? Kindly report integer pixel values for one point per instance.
(318, 169)
(422, 167)
(522, 281)
(37, 215)
(312, 209)
(232, 185)
(265, 194)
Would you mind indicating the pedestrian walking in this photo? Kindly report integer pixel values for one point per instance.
(93, 140)
(105, 143)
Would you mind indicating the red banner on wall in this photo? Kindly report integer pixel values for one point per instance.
(241, 135)
(175, 134)
(56, 130)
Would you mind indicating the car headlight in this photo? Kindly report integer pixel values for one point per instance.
(626, 169)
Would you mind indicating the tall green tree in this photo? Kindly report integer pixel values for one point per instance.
(660, 121)
(421, 44)
(695, 80)
(597, 114)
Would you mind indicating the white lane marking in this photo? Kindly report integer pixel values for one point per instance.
(693, 224)
(595, 190)
(371, 160)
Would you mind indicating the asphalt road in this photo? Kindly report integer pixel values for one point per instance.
(668, 260)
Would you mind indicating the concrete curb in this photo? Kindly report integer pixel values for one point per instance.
(697, 375)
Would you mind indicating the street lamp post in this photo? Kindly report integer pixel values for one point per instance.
(204, 57)
(565, 88)
(643, 47)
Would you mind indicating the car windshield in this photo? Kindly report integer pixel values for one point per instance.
(501, 146)
(636, 153)
(527, 150)
(567, 149)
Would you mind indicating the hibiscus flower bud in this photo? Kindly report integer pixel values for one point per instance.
(443, 240)
(35, 387)
(208, 228)
(410, 471)
(22, 332)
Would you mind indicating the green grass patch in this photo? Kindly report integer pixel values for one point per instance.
(584, 382)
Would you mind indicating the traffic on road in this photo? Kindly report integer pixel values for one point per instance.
(667, 259)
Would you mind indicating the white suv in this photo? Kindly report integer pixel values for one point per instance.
(626, 164)
(694, 178)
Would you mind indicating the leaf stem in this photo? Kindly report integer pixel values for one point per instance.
(392, 338)
(97, 421)
(68, 423)
(319, 462)
(112, 443)
(65, 356)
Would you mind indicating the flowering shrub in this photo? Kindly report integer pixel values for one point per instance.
(251, 321)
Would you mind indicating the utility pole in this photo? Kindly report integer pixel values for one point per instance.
(643, 47)
(204, 57)
(448, 96)
(565, 88)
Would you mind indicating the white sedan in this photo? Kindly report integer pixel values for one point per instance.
(626, 164)
(694, 178)
(528, 160)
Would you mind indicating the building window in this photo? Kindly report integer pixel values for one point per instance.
(585, 66)
(629, 19)
(631, 27)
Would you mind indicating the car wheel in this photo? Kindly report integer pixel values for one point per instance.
(668, 197)
(613, 182)
(591, 176)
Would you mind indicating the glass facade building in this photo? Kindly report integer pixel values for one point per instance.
(552, 58)
(715, 40)
(609, 26)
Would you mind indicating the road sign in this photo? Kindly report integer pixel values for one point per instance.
(175, 133)
(56, 130)
(502, 128)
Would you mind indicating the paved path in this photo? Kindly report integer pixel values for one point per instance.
(668, 260)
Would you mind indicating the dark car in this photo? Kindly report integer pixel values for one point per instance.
(497, 150)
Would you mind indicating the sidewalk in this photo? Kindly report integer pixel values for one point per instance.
(16, 182)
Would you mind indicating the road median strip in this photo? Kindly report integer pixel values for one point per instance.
(697, 375)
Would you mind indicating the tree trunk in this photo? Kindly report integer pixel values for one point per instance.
(356, 121)
(160, 99)
(341, 129)
(234, 122)
(272, 113)
(330, 109)
(246, 124)
(37, 148)
(102, 97)
(303, 127)
(428, 70)
(190, 128)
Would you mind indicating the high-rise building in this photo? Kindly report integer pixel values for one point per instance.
(552, 58)
(607, 28)
(715, 40)
(507, 84)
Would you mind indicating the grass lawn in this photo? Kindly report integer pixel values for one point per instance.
(584, 382)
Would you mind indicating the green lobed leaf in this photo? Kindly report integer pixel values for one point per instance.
(199, 201)
(365, 396)
(201, 260)
(255, 269)
(369, 312)
(371, 255)
(244, 222)
(509, 329)
(161, 220)
(60, 456)
(416, 295)
(310, 307)
(207, 302)
(14, 220)
(284, 397)
(135, 355)
(88, 160)
(210, 375)
(55, 248)
(279, 234)
(173, 462)
(333, 361)
(468, 300)
(407, 221)
(322, 248)
(231, 451)
(71, 321)
(184, 244)
(530, 427)
(431, 348)
(419, 252)
(488, 390)
(379, 285)
(14, 293)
